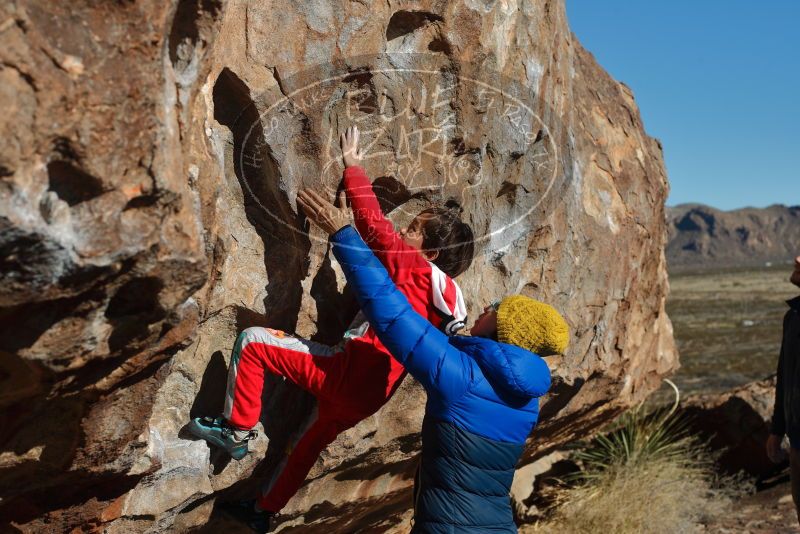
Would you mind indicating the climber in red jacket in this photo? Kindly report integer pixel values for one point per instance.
(353, 379)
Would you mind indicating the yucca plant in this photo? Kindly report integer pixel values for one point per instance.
(637, 437)
(647, 474)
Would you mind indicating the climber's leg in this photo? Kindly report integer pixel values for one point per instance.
(217, 431)
(317, 368)
(312, 366)
(290, 476)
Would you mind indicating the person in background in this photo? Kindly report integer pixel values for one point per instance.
(786, 415)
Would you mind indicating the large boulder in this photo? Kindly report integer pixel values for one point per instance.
(147, 214)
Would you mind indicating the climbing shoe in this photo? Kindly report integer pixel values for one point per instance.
(217, 431)
(246, 512)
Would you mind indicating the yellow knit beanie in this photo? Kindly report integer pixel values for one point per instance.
(532, 325)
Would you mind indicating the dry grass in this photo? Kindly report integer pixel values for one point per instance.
(646, 476)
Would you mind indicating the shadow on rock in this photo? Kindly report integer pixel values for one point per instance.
(266, 203)
(210, 399)
(736, 424)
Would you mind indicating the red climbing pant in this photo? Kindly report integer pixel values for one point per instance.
(350, 381)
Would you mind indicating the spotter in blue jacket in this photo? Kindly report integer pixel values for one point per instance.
(482, 402)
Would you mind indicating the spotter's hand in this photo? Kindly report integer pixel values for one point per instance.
(331, 218)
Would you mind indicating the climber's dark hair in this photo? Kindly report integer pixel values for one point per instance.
(453, 239)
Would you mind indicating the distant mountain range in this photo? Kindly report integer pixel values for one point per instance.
(704, 237)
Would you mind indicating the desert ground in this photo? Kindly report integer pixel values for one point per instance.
(727, 325)
(728, 330)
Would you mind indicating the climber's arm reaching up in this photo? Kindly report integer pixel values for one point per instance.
(376, 230)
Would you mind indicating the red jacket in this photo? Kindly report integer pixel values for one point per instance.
(431, 293)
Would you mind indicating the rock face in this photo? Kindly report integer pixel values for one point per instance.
(152, 155)
(702, 237)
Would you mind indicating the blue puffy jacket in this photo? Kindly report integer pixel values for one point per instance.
(482, 402)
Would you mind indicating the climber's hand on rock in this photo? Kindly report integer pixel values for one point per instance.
(348, 140)
(331, 218)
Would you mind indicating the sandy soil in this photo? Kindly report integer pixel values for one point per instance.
(769, 511)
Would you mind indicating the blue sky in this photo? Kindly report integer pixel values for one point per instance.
(718, 81)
